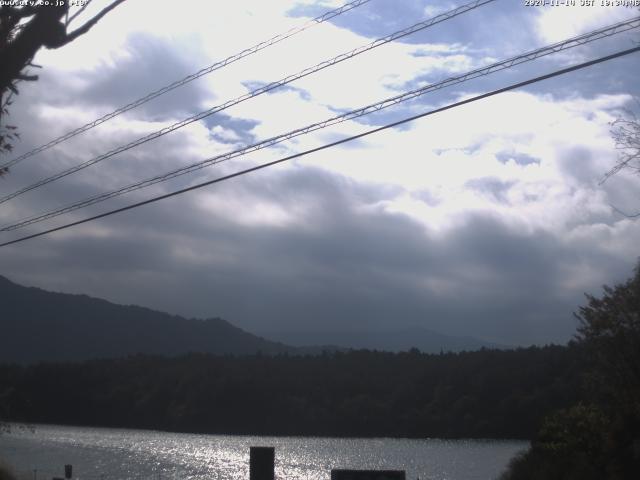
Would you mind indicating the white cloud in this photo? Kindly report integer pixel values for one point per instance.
(556, 24)
(441, 154)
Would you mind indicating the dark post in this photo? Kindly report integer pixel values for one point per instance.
(262, 463)
(68, 470)
(343, 474)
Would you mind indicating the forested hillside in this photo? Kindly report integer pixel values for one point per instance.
(488, 393)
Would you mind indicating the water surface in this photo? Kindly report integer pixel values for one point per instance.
(110, 454)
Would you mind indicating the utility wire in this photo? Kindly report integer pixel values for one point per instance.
(495, 67)
(259, 91)
(329, 145)
(216, 66)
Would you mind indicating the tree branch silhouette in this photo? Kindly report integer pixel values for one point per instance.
(24, 30)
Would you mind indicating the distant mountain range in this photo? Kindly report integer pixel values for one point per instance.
(37, 325)
(397, 340)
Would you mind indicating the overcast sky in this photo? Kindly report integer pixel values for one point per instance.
(486, 220)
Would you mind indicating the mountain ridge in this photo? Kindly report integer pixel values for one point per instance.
(40, 325)
(393, 340)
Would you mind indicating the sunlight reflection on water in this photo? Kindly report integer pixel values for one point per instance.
(114, 454)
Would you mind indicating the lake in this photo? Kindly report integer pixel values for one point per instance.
(110, 454)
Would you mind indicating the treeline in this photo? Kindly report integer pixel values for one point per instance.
(482, 394)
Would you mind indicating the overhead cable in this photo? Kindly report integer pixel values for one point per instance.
(326, 146)
(254, 93)
(216, 66)
(495, 67)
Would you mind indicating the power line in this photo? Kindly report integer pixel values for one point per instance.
(329, 145)
(216, 66)
(495, 67)
(254, 93)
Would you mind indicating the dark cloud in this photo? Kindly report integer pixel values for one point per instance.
(518, 157)
(331, 258)
(151, 63)
(255, 85)
(580, 164)
(337, 267)
(427, 197)
(495, 188)
(242, 128)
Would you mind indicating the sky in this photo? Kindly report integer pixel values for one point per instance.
(487, 220)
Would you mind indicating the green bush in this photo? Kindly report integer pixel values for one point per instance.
(600, 440)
